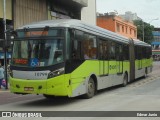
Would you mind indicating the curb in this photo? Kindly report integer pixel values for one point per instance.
(4, 90)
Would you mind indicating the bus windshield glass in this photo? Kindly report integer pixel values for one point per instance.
(36, 53)
(38, 48)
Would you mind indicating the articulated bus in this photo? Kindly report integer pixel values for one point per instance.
(67, 57)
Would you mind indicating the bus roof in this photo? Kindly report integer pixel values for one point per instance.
(78, 24)
(139, 42)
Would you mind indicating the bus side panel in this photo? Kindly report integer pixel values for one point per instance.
(113, 73)
(112, 67)
(148, 65)
(142, 66)
(139, 71)
(85, 69)
(78, 86)
(59, 86)
(126, 68)
(80, 76)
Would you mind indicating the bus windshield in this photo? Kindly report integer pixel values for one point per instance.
(37, 53)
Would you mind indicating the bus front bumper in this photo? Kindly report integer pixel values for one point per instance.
(54, 86)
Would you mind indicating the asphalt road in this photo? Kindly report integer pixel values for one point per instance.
(141, 95)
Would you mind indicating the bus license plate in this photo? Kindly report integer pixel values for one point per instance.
(28, 89)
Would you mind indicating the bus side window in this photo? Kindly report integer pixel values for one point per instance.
(112, 52)
(119, 52)
(149, 52)
(144, 52)
(103, 49)
(125, 52)
(89, 46)
(139, 52)
(77, 45)
(135, 51)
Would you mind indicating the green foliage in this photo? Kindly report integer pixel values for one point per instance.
(148, 36)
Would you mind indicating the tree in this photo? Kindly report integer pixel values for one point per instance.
(148, 36)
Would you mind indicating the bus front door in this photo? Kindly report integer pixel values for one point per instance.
(119, 67)
(103, 46)
(103, 64)
(103, 67)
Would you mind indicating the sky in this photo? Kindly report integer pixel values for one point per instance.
(147, 10)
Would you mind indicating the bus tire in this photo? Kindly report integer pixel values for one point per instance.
(125, 80)
(90, 89)
(145, 74)
(49, 96)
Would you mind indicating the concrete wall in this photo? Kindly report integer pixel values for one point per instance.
(118, 25)
(8, 9)
(88, 14)
(28, 11)
(106, 23)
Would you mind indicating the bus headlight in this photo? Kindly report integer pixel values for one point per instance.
(56, 73)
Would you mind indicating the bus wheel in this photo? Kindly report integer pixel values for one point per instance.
(91, 89)
(49, 96)
(145, 74)
(125, 80)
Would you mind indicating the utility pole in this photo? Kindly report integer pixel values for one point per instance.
(5, 42)
(153, 20)
(143, 26)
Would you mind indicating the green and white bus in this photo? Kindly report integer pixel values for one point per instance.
(67, 57)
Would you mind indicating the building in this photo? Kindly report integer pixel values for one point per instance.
(9, 23)
(88, 14)
(117, 24)
(32, 11)
(156, 44)
(21, 12)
